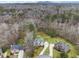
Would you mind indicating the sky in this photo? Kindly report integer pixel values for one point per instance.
(22, 1)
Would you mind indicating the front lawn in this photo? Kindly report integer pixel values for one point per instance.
(72, 53)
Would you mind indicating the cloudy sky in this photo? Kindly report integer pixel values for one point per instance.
(21, 1)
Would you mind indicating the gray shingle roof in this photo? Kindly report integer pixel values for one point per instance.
(38, 42)
(62, 47)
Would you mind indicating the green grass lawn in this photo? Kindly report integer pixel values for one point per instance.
(20, 42)
(72, 53)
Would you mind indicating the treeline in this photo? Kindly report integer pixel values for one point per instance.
(65, 24)
(54, 20)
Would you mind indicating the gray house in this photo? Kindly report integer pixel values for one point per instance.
(38, 41)
(62, 47)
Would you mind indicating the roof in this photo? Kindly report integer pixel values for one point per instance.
(16, 47)
(39, 39)
(63, 47)
(43, 56)
(38, 42)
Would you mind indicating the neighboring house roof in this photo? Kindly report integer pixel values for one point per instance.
(16, 47)
(43, 56)
(61, 46)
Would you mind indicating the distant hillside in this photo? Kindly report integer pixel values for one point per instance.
(63, 3)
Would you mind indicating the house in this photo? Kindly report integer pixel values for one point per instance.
(38, 41)
(15, 49)
(62, 47)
